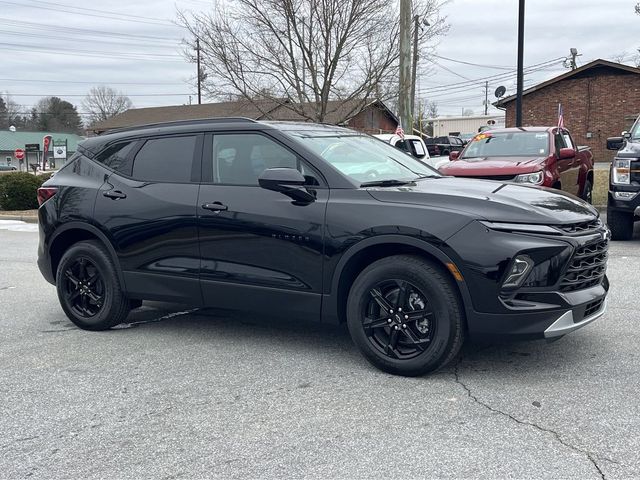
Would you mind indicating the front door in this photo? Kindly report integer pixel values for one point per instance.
(261, 250)
(568, 168)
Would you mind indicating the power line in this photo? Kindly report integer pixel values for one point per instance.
(125, 42)
(182, 94)
(110, 17)
(145, 54)
(76, 30)
(497, 67)
(25, 80)
(98, 11)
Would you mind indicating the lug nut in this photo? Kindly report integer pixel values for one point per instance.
(389, 320)
(396, 327)
(390, 311)
(400, 309)
(404, 325)
(406, 317)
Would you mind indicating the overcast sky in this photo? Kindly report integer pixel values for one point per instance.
(63, 47)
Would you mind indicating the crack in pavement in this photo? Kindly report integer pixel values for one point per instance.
(590, 456)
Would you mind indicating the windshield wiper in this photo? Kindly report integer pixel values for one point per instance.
(385, 183)
(427, 176)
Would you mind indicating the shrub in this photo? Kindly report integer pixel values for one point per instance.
(18, 191)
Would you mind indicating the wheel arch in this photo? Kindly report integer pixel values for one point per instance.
(360, 255)
(74, 232)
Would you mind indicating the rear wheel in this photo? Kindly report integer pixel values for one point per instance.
(621, 224)
(405, 316)
(89, 289)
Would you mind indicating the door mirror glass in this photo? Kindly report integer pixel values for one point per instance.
(288, 181)
(566, 153)
(626, 135)
(454, 155)
(615, 143)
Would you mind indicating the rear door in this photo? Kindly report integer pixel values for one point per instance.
(261, 250)
(147, 208)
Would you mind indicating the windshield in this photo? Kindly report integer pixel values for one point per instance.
(635, 130)
(508, 144)
(364, 158)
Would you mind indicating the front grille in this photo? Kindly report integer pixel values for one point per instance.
(635, 171)
(581, 228)
(586, 268)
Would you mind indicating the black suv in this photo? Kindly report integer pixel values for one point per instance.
(443, 145)
(623, 205)
(316, 222)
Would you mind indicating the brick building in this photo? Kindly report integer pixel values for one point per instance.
(371, 117)
(599, 100)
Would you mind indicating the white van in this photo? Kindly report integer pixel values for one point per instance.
(415, 146)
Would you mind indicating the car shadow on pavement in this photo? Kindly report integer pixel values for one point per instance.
(304, 336)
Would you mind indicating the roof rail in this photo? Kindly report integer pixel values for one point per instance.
(177, 123)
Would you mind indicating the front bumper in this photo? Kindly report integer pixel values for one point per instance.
(632, 205)
(579, 309)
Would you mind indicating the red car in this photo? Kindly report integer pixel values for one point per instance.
(545, 156)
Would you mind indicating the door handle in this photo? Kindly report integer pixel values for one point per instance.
(114, 194)
(215, 207)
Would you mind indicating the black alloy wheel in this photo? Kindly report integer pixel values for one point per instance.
(89, 287)
(83, 287)
(405, 315)
(398, 319)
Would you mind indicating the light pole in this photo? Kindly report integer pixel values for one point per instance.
(520, 81)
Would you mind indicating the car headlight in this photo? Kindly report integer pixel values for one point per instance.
(621, 171)
(532, 178)
(520, 269)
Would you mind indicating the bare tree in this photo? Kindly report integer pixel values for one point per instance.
(303, 53)
(103, 102)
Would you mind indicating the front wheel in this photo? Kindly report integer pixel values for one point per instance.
(587, 192)
(405, 316)
(89, 289)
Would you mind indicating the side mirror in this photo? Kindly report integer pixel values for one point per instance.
(454, 155)
(615, 143)
(566, 153)
(288, 181)
(626, 135)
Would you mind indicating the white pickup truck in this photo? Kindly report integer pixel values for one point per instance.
(415, 146)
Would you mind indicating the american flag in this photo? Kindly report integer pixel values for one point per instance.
(560, 117)
(400, 131)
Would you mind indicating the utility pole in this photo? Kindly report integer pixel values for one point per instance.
(199, 72)
(404, 92)
(414, 65)
(520, 81)
(486, 98)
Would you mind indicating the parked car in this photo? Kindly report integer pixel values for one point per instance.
(443, 145)
(316, 222)
(543, 156)
(7, 168)
(623, 205)
(414, 145)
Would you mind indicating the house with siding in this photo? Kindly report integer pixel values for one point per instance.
(10, 141)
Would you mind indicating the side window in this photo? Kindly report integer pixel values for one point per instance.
(167, 159)
(417, 147)
(240, 158)
(402, 145)
(117, 156)
(559, 140)
(567, 140)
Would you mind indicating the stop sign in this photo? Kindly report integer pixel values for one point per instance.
(19, 154)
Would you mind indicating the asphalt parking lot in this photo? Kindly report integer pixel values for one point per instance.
(184, 393)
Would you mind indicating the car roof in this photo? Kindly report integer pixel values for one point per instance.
(94, 144)
(389, 136)
(519, 129)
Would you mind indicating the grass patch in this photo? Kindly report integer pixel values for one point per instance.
(600, 187)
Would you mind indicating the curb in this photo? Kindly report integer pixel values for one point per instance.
(22, 218)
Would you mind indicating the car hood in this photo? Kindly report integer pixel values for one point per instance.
(493, 201)
(483, 166)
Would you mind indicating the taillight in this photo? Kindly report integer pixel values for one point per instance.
(45, 193)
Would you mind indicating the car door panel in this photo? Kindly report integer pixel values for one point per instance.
(153, 228)
(263, 250)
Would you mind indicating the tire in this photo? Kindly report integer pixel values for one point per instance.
(89, 289)
(620, 224)
(587, 192)
(422, 344)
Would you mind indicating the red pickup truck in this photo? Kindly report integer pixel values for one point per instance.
(544, 156)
